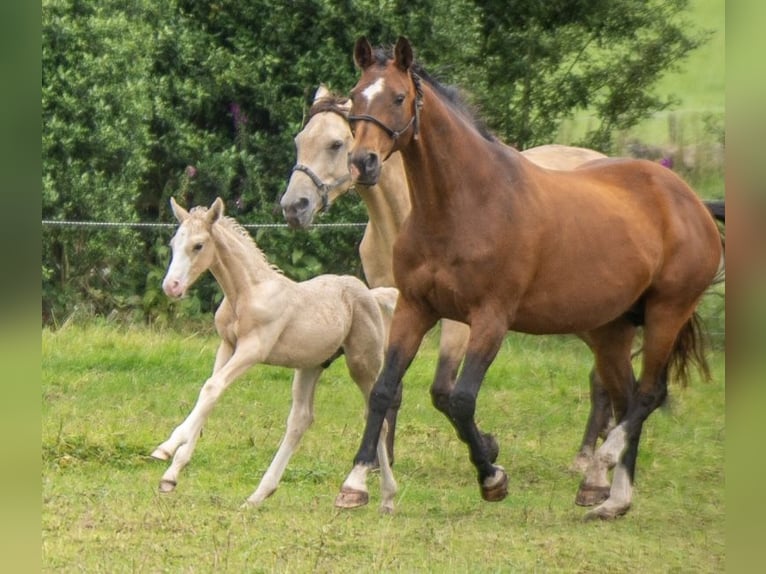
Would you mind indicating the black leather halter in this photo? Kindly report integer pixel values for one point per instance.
(414, 122)
(323, 188)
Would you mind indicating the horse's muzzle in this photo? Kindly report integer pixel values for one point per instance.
(364, 167)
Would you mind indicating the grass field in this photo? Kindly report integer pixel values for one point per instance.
(110, 395)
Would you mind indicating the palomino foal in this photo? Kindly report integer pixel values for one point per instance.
(267, 318)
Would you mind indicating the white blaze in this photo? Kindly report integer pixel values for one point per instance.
(373, 89)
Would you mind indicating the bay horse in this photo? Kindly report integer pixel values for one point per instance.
(321, 175)
(267, 318)
(501, 244)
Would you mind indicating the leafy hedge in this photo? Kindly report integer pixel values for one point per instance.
(153, 98)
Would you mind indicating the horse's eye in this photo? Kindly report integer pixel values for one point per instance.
(399, 99)
(197, 247)
(336, 145)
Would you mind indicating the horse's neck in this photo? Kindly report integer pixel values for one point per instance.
(388, 205)
(239, 266)
(438, 170)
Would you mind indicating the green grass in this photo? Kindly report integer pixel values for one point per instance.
(110, 396)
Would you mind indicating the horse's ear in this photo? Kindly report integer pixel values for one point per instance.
(215, 212)
(403, 53)
(363, 53)
(322, 92)
(180, 213)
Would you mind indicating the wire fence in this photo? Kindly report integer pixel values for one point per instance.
(150, 225)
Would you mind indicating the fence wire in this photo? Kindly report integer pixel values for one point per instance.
(149, 225)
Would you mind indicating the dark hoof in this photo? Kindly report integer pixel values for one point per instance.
(591, 495)
(351, 498)
(493, 450)
(497, 491)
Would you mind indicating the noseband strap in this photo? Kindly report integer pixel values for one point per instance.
(323, 188)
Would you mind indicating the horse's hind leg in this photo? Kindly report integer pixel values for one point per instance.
(611, 346)
(298, 421)
(668, 333)
(600, 421)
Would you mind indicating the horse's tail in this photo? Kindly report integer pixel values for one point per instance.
(689, 349)
(717, 208)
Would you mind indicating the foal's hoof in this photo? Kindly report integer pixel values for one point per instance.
(591, 495)
(497, 489)
(351, 498)
(606, 511)
(493, 449)
(160, 454)
(167, 485)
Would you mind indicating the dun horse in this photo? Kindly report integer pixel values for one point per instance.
(320, 176)
(267, 318)
(499, 243)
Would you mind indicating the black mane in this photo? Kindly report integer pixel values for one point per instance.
(450, 94)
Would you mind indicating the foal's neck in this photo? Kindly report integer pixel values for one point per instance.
(239, 265)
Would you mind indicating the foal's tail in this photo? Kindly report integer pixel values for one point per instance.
(386, 298)
(689, 349)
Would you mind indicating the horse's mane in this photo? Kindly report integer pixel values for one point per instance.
(332, 103)
(239, 232)
(452, 95)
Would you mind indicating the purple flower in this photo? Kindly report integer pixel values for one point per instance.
(240, 117)
(667, 161)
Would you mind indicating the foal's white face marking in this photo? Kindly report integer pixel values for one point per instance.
(374, 89)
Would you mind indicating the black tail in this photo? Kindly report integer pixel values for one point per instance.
(717, 208)
(690, 348)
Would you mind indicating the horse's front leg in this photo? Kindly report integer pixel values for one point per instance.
(180, 446)
(298, 421)
(409, 326)
(483, 345)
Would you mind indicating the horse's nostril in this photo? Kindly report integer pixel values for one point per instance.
(372, 161)
(302, 203)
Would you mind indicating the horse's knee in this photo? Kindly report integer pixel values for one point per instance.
(381, 398)
(462, 405)
(440, 400)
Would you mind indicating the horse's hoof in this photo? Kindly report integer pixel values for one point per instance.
(499, 489)
(591, 495)
(490, 443)
(160, 454)
(351, 498)
(167, 485)
(606, 511)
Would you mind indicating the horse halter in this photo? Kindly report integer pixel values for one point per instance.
(323, 188)
(414, 122)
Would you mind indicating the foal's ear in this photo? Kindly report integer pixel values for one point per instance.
(322, 92)
(180, 213)
(362, 53)
(403, 53)
(215, 212)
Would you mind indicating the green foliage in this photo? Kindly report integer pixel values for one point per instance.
(153, 98)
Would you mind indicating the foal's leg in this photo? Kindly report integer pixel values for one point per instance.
(483, 345)
(298, 421)
(183, 440)
(409, 326)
